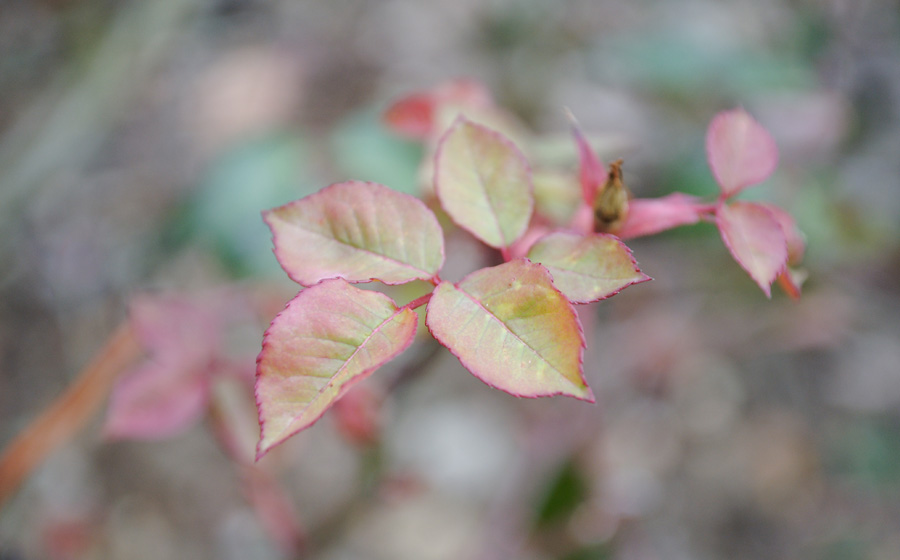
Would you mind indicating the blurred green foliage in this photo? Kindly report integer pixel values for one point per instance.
(364, 149)
(225, 210)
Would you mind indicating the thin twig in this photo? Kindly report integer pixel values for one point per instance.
(68, 413)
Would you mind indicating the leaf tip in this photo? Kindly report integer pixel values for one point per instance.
(588, 396)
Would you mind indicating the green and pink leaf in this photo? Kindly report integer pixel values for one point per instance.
(484, 184)
(511, 328)
(587, 268)
(359, 232)
(329, 337)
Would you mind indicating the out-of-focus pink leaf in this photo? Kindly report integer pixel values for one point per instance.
(796, 242)
(587, 268)
(358, 415)
(412, 116)
(521, 247)
(416, 115)
(359, 232)
(157, 400)
(740, 151)
(755, 239)
(170, 390)
(329, 337)
(178, 328)
(483, 182)
(583, 220)
(591, 172)
(647, 216)
(512, 329)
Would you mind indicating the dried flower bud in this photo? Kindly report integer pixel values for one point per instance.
(611, 202)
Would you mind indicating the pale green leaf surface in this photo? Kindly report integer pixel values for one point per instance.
(483, 182)
(329, 337)
(512, 329)
(359, 232)
(587, 268)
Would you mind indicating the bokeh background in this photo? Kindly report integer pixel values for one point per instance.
(139, 142)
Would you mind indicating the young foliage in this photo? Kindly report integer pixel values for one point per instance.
(755, 239)
(329, 337)
(512, 329)
(171, 389)
(587, 268)
(484, 183)
(740, 151)
(359, 232)
(513, 325)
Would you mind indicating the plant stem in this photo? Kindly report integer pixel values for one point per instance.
(418, 302)
(69, 412)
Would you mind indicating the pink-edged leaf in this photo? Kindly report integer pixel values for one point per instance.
(156, 400)
(329, 337)
(755, 239)
(484, 183)
(740, 151)
(587, 268)
(647, 216)
(512, 329)
(591, 172)
(796, 241)
(359, 232)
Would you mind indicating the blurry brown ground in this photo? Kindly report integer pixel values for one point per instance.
(140, 140)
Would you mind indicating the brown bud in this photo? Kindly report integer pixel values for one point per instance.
(611, 202)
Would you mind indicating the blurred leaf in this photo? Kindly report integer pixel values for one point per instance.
(254, 176)
(869, 452)
(851, 548)
(591, 171)
(755, 239)
(647, 216)
(365, 149)
(556, 195)
(563, 496)
(741, 152)
(168, 392)
(682, 65)
(596, 552)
